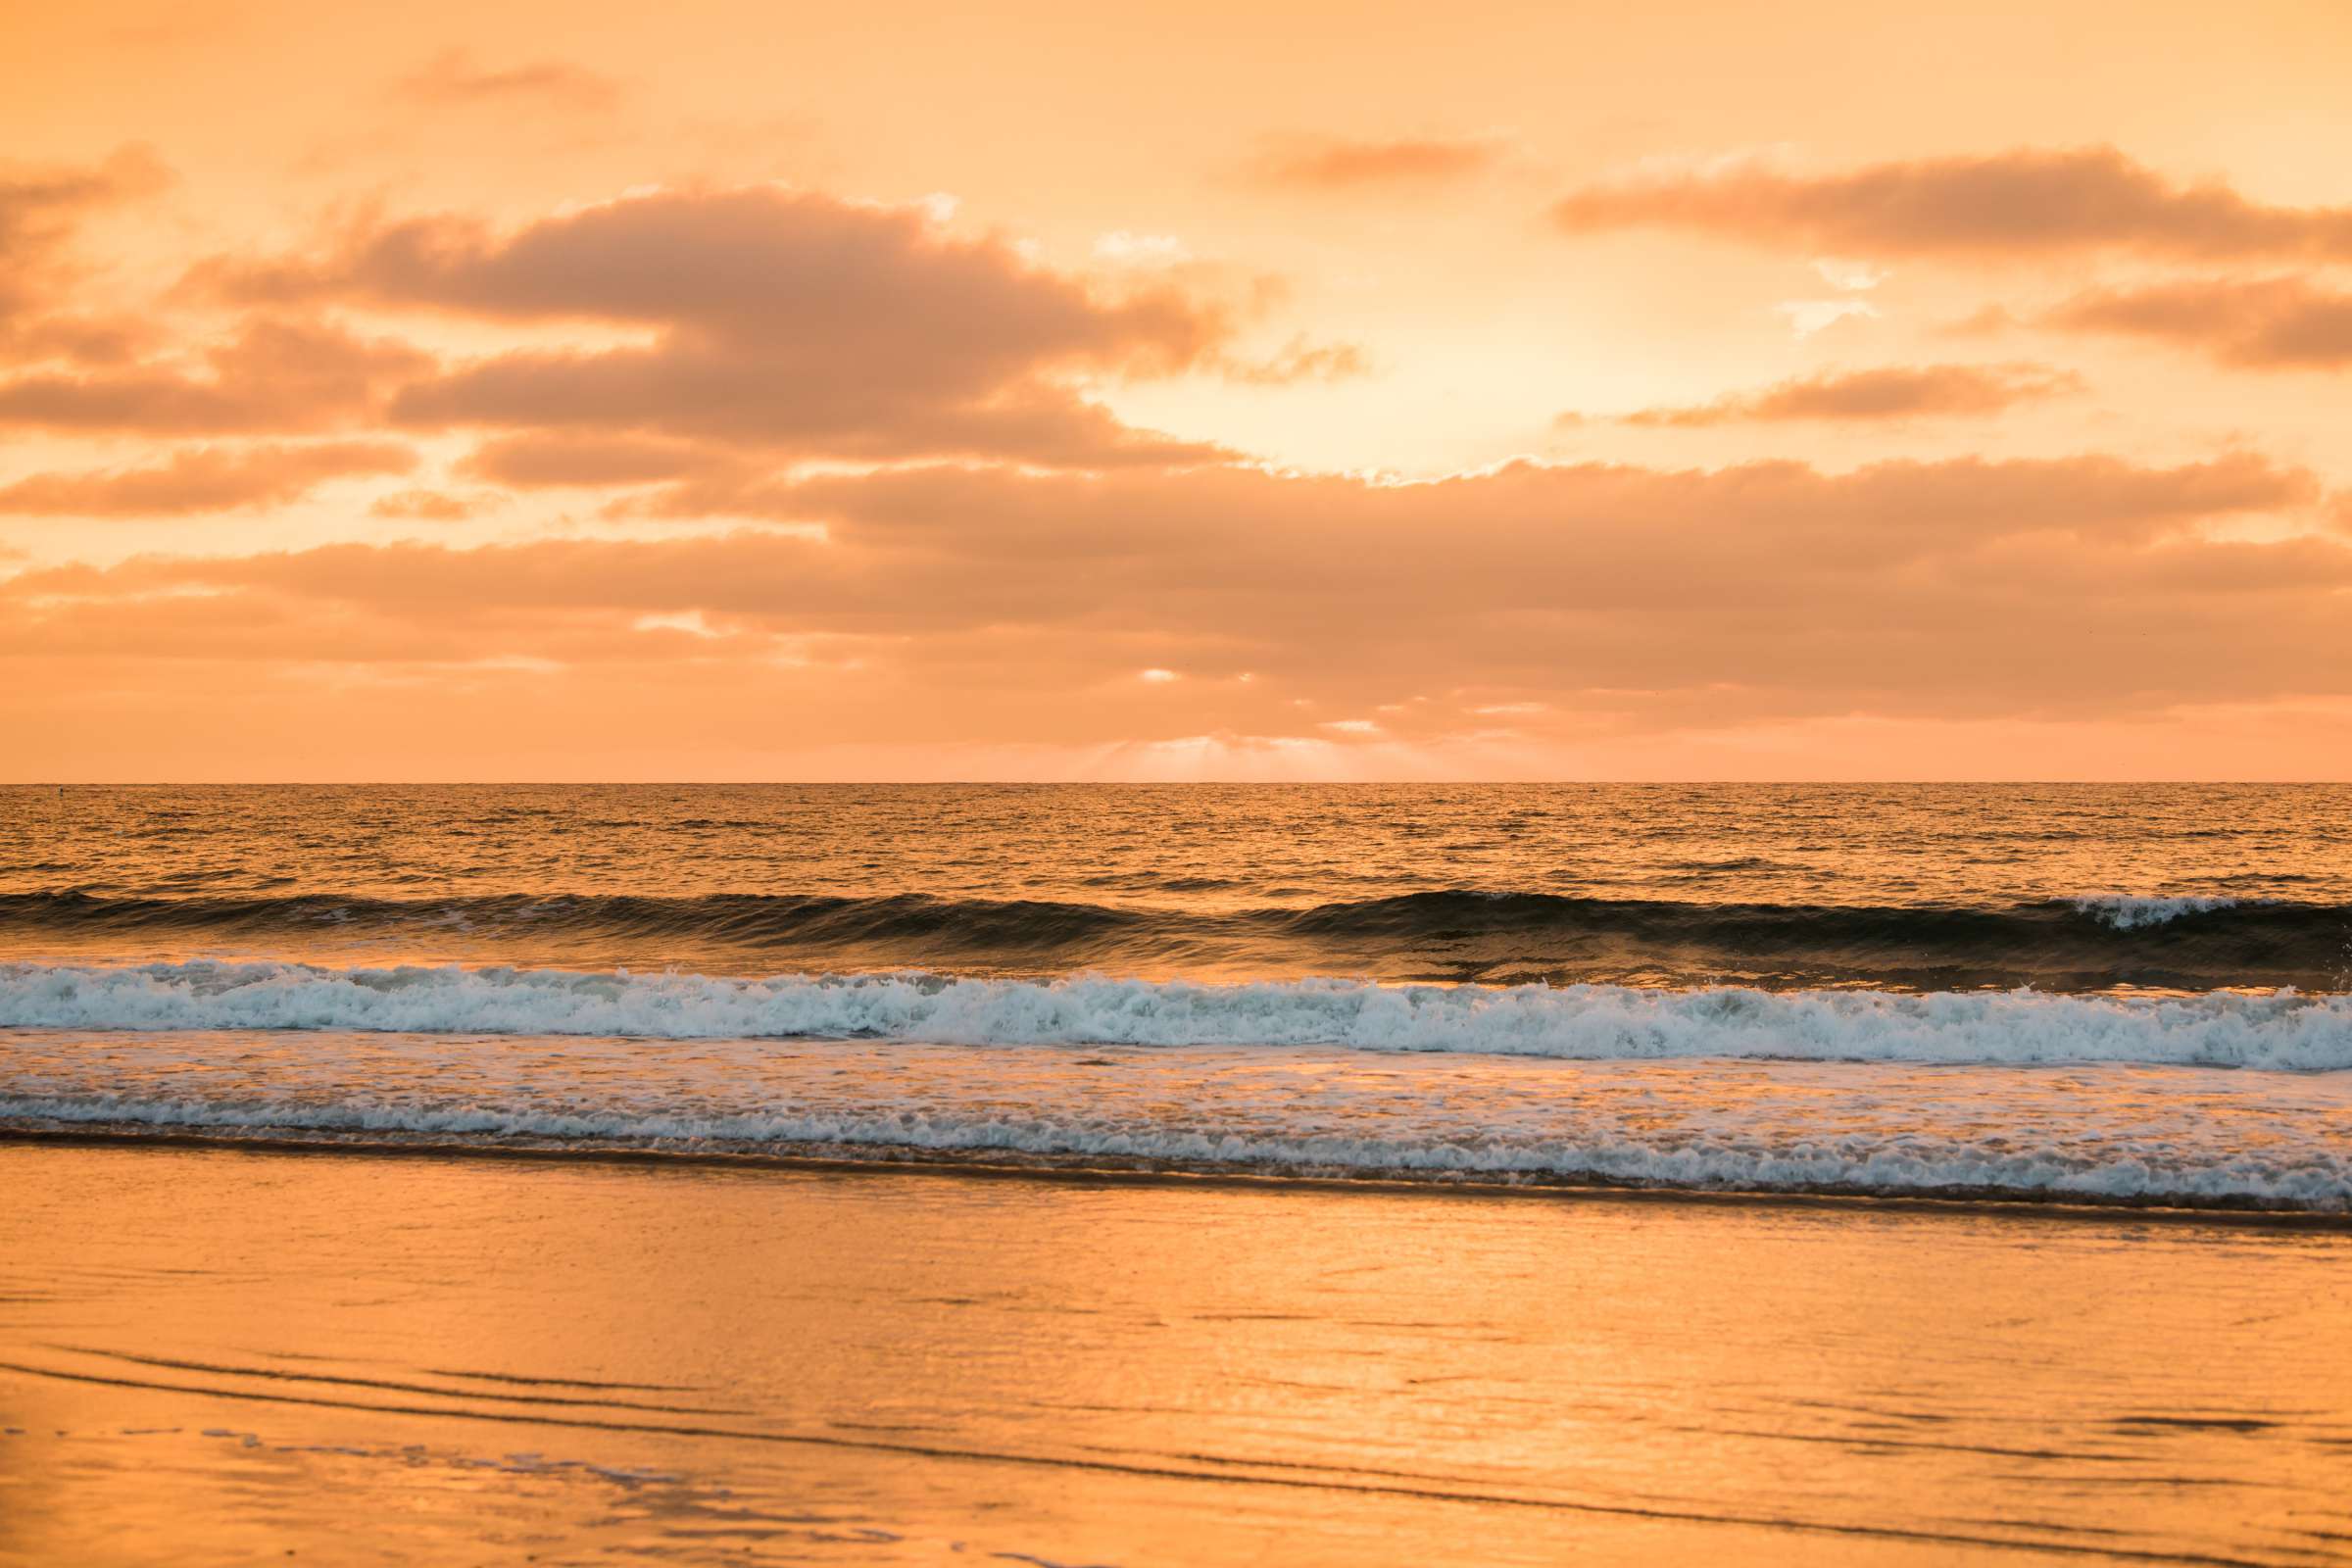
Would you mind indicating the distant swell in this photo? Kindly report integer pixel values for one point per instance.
(2281, 1031)
(2082, 942)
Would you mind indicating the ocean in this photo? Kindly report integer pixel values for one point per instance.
(1086, 1175)
(2074, 994)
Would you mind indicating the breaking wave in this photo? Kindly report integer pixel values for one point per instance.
(2308, 1179)
(2281, 1030)
(2128, 911)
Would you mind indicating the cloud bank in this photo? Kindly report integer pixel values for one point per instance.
(1893, 392)
(2026, 202)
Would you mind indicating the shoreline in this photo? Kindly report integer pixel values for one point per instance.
(1109, 1171)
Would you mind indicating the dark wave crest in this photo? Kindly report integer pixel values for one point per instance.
(2060, 944)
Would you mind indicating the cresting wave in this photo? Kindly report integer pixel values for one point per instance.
(2128, 911)
(1588, 1022)
(2082, 942)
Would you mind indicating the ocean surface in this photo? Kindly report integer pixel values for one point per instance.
(2085, 993)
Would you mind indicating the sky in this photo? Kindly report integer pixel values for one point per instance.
(1287, 391)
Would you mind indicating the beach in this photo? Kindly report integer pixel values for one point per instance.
(238, 1354)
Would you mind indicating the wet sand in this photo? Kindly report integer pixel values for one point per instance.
(225, 1357)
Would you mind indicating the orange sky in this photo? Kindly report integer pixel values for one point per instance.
(765, 391)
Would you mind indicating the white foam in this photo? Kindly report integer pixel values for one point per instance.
(2309, 1178)
(2128, 911)
(2271, 1030)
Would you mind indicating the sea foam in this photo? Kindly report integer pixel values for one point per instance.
(2280, 1030)
(2113, 1170)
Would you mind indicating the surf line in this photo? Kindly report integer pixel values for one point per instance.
(889, 1159)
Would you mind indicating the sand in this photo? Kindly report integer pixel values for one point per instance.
(229, 1357)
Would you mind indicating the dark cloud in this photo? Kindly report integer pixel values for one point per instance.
(2025, 201)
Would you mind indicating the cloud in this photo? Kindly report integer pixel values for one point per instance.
(948, 602)
(535, 461)
(1988, 320)
(1531, 513)
(452, 79)
(2276, 324)
(273, 377)
(1337, 163)
(2019, 202)
(1892, 392)
(71, 338)
(40, 208)
(204, 480)
(1301, 361)
(780, 319)
(788, 410)
(430, 506)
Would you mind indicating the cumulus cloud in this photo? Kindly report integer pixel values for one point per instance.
(2278, 323)
(2025, 201)
(780, 318)
(1338, 164)
(1889, 392)
(203, 479)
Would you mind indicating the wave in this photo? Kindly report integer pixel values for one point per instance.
(2312, 1180)
(2281, 1030)
(2083, 943)
(2128, 911)
(724, 917)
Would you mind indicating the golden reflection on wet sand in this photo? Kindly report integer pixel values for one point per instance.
(227, 1358)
